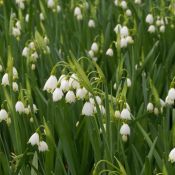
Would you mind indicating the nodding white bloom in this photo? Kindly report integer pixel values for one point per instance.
(172, 156)
(125, 131)
(33, 66)
(34, 139)
(35, 109)
(162, 29)
(158, 22)
(57, 95)
(102, 109)
(91, 23)
(129, 40)
(123, 4)
(123, 43)
(138, 1)
(94, 47)
(25, 52)
(95, 59)
(15, 73)
(64, 85)
(91, 53)
(79, 17)
(20, 4)
(32, 45)
(50, 84)
(62, 77)
(117, 114)
(110, 52)
(149, 19)
(27, 110)
(128, 81)
(124, 31)
(3, 114)
(128, 12)
(169, 100)
(34, 55)
(115, 86)
(156, 111)
(74, 82)
(125, 114)
(98, 99)
(77, 11)
(150, 107)
(88, 109)
(5, 80)
(41, 16)
(81, 93)
(117, 28)
(20, 107)
(42, 146)
(27, 18)
(50, 3)
(171, 93)
(116, 3)
(151, 29)
(58, 8)
(16, 32)
(15, 86)
(70, 97)
(162, 103)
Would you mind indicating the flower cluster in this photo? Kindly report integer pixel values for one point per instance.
(52, 4)
(16, 29)
(35, 140)
(123, 35)
(71, 89)
(21, 4)
(78, 14)
(94, 51)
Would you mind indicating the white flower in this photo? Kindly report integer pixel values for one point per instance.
(151, 29)
(88, 109)
(169, 100)
(171, 93)
(15, 73)
(81, 93)
(162, 29)
(138, 1)
(125, 114)
(77, 11)
(117, 28)
(125, 132)
(50, 3)
(73, 82)
(62, 77)
(34, 139)
(15, 86)
(16, 32)
(41, 16)
(25, 52)
(27, 18)
(117, 114)
(91, 53)
(110, 52)
(57, 95)
(123, 4)
(156, 111)
(102, 109)
(128, 12)
(35, 109)
(70, 97)
(162, 103)
(94, 47)
(91, 23)
(79, 17)
(149, 19)
(124, 31)
(34, 55)
(27, 110)
(172, 156)
(42, 146)
(150, 107)
(58, 8)
(32, 45)
(5, 79)
(129, 40)
(64, 85)
(3, 114)
(19, 107)
(123, 43)
(128, 81)
(116, 2)
(50, 84)
(125, 129)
